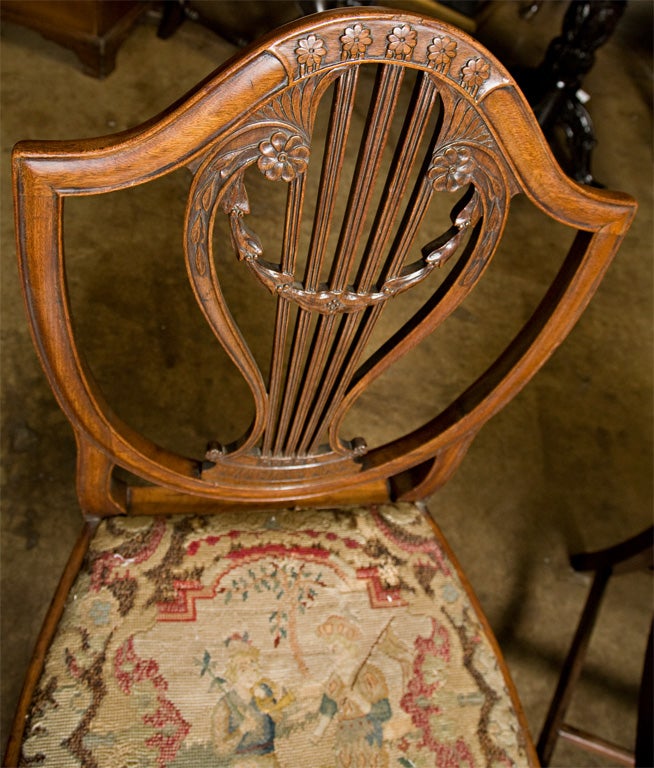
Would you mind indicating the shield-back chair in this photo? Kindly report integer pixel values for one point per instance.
(284, 598)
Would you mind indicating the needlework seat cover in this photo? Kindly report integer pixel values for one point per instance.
(293, 639)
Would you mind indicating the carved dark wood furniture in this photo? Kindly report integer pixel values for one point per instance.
(93, 29)
(633, 554)
(284, 599)
(554, 88)
(242, 23)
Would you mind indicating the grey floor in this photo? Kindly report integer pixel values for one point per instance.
(567, 466)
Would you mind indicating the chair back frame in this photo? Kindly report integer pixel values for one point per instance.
(258, 112)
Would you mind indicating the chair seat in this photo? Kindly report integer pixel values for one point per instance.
(286, 638)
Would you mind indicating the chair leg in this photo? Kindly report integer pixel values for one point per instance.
(633, 554)
(571, 669)
(644, 735)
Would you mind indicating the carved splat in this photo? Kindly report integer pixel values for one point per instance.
(309, 381)
(435, 254)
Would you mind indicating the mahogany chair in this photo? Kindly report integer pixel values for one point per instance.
(285, 599)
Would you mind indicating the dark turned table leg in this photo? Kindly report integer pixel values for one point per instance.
(173, 13)
(554, 87)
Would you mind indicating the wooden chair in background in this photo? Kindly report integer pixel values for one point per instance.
(285, 599)
(633, 554)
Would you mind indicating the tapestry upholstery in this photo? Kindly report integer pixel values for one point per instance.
(294, 639)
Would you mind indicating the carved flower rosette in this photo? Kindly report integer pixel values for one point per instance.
(283, 157)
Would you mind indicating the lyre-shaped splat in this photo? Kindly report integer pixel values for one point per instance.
(326, 316)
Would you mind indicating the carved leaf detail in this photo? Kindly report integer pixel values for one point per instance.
(440, 251)
(470, 213)
(270, 275)
(207, 197)
(465, 121)
(197, 237)
(197, 231)
(484, 249)
(201, 260)
(328, 301)
(235, 198)
(293, 107)
(246, 243)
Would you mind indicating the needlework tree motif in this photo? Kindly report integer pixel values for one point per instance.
(293, 584)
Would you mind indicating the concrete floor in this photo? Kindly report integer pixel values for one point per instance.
(567, 466)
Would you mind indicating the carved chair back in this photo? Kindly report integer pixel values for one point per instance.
(443, 119)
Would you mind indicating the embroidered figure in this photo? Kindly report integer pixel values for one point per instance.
(242, 723)
(356, 697)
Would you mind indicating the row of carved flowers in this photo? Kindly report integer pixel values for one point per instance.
(284, 156)
(400, 45)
